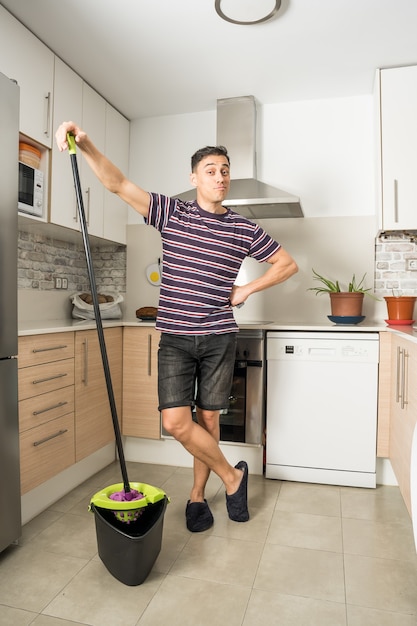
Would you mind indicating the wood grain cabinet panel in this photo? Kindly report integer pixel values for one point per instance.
(403, 411)
(93, 422)
(46, 407)
(141, 417)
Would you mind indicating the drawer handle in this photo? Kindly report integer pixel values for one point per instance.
(45, 380)
(58, 434)
(35, 350)
(49, 408)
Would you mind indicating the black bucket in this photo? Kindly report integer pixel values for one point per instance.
(129, 551)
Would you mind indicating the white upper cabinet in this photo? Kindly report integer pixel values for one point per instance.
(398, 119)
(117, 150)
(68, 99)
(24, 58)
(93, 121)
(105, 214)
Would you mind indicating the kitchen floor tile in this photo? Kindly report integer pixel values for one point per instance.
(15, 617)
(301, 572)
(385, 540)
(300, 530)
(267, 607)
(383, 504)
(30, 578)
(218, 559)
(316, 555)
(361, 616)
(94, 597)
(195, 602)
(309, 498)
(381, 584)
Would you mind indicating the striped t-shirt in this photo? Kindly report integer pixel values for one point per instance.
(202, 255)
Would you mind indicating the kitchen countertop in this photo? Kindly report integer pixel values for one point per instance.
(56, 326)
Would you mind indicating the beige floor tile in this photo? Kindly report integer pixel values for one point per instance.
(360, 616)
(301, 530)
(30, 578)
(267, 608)
(192, 602)
(300, 572)
(381, 584)
(70, 535)
(45, 620)
(37, 525)
(378, 539)
(15, 617)
(218, 559)
(95, 597)
(256, 529)
(383, 504)
(312, 499)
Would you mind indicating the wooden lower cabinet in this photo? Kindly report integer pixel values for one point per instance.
(141, 417)
(46, 407)
(93, 422)
(403, 415)
(46, 450)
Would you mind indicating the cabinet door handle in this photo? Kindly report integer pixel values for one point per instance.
(85, 376)
(47, 114)
(58, 434)
(398, 379)
(49, 408)
(45, 380)
(395, 200)
(149, 355)
(35, 350)
(404, 390)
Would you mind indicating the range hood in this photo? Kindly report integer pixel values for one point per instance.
(236, 129)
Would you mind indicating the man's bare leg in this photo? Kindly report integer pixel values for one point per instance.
(202, 445)
(209, 420)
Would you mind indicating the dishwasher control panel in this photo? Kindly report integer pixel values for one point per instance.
(349, 347)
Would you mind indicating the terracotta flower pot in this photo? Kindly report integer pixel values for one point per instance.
(400, 307)
(346, 303)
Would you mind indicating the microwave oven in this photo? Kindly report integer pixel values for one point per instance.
(31, 190)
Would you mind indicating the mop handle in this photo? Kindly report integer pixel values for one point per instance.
(73, 155)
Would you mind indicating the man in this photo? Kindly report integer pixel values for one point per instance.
(204, 245)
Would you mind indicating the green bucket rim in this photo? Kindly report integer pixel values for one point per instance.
(151, 495)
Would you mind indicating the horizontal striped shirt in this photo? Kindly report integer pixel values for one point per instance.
(202, 255)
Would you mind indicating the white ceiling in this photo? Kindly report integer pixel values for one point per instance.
(163, 57)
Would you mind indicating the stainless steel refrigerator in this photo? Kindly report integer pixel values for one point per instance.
(10, 513)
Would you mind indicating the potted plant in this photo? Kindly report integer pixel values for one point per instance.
(343, 302)
(400, 308)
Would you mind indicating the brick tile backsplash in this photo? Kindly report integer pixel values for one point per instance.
(41, 260)
(392, 251)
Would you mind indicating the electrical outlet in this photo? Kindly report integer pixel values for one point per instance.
(412, 265)
(65, 283)
(58, 283)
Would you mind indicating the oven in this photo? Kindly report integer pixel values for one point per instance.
(244, 420)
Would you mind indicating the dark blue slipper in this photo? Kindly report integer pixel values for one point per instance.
(237, 503)
(198, 516)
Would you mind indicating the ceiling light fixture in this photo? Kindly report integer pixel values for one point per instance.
(227, 18)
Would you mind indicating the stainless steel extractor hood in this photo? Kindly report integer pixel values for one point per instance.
(236, 129)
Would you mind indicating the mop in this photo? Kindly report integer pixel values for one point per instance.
(127, 500)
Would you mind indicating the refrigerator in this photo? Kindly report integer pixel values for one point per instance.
(10, 511)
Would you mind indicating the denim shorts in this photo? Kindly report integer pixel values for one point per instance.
(196, 370)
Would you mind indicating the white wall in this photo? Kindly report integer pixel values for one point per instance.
(321, 150)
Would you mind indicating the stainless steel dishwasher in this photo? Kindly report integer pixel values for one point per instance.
(321, 409)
